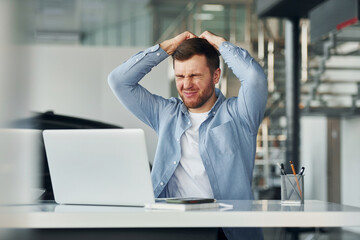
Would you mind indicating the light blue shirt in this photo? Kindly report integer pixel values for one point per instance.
(227, 138)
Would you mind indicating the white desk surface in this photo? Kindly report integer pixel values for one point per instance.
(264, 213)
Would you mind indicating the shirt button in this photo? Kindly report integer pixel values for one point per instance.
(214, 113)
(158, 54)
(161, 183)
(188, 122)
(174, 162)
(137, 59)
(226, 45)
(177, 139)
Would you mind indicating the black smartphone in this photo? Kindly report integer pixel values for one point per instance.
(190, 200)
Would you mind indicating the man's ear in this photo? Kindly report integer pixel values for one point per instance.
(216, 75)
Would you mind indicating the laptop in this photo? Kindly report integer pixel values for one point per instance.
(99, 166)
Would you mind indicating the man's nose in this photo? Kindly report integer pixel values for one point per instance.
(187, 82)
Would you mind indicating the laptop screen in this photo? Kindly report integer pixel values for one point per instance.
(99, 166)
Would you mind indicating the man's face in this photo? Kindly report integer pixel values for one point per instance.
(195, 83)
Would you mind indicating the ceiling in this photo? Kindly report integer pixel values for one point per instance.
(285, 8)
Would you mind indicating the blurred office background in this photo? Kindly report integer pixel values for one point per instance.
(56, 55)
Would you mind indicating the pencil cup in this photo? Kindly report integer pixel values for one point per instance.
(292, 189)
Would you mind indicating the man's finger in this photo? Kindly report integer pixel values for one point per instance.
(190, 35)
(184, 36)
(212, 38)
(206, 34)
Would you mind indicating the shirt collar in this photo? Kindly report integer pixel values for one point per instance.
(220, 99)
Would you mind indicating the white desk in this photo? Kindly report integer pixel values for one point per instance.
(266, 213)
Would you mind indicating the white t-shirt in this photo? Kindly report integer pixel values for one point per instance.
(190, 178)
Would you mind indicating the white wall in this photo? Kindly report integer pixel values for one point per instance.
(72, 80)
(313, 156)
(350, 161)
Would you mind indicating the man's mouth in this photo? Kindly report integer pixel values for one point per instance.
(189, 94)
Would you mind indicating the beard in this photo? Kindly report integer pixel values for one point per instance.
(200, 99)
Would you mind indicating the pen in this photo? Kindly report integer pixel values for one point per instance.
(281, 168)
(297, 181)
(302, 171)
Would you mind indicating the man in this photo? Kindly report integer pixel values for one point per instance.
(207, 143)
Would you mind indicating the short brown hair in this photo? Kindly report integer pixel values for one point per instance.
(198, 46)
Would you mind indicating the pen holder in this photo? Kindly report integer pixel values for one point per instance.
(292, 189)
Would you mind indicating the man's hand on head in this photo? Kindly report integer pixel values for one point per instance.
(213, 39)
(170, 45)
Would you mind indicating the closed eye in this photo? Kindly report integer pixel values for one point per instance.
(179, 77)
(191, 76)
(197, 75)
